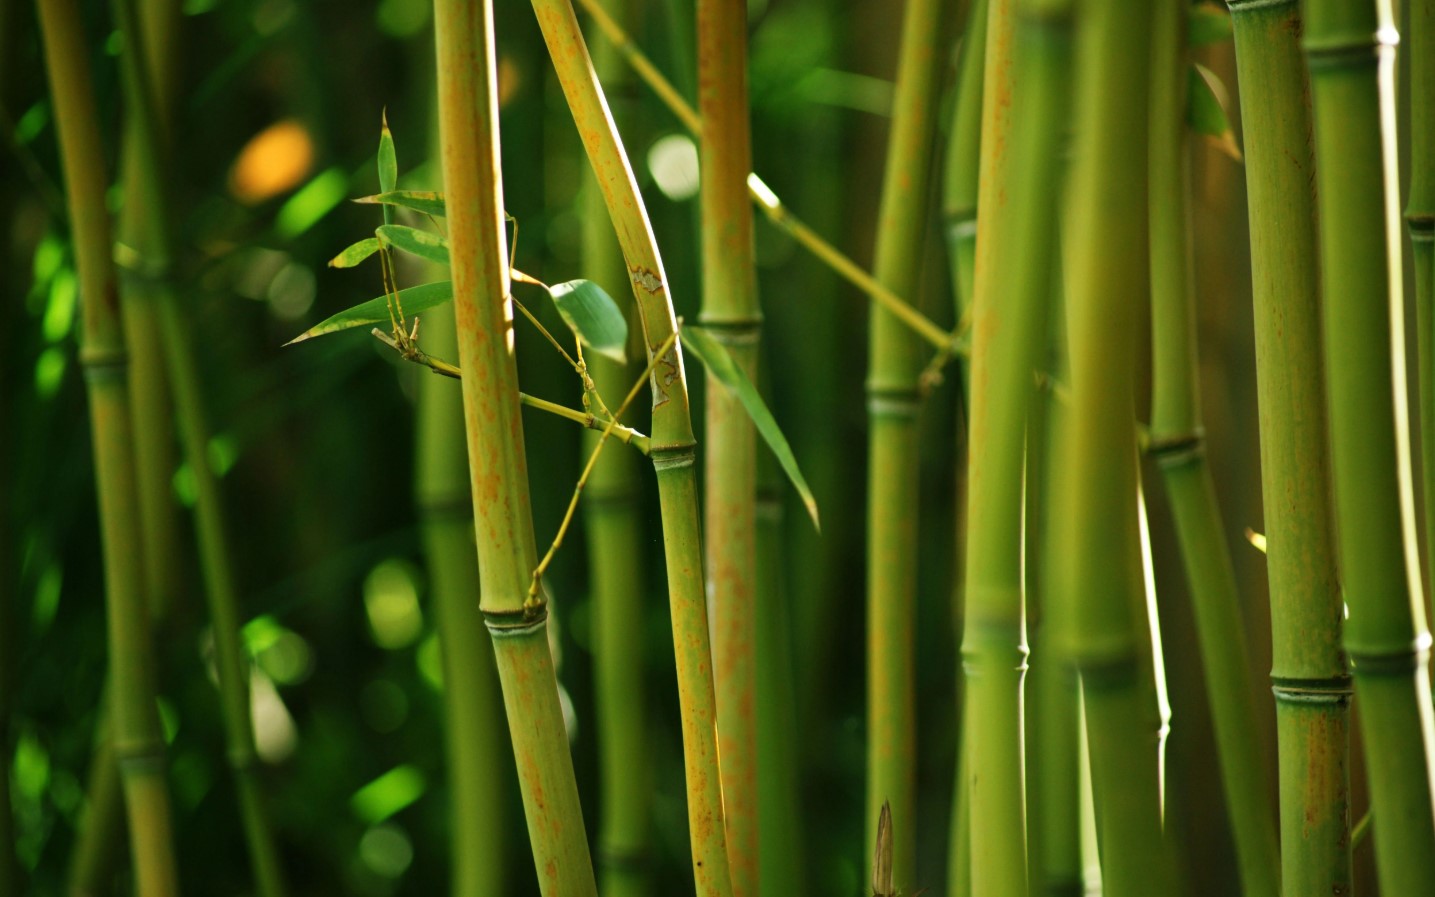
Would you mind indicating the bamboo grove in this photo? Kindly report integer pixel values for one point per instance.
(787, 448)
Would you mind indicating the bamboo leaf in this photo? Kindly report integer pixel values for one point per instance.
(1206, 110)
(355, 253)
(593, 316)
(426, 201)
(417, 242)
(376, 311)
(720, 364)
(882, 855)
(388, 164)
(1207, 23)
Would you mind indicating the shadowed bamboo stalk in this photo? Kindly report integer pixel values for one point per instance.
(673, 446)
(962, 167)
(1027, 64)
(1178, 446)
(151, 245)
(730, 310)
(468, 127)
(1420, 219)
(1100, 614)
(1309, 674)
(1350, 51)
(614, 526)
(892, 402)
(138, 746)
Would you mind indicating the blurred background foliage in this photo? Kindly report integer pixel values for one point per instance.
(277, 121)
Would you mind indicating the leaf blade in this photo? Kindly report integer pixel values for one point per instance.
(1206, 110)
(376, 311)
(421, 243)
(428, 202)
(355, 253)
(593, 315)
(388, 162)
(727, 372)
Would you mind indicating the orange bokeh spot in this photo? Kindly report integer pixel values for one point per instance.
(275, 160)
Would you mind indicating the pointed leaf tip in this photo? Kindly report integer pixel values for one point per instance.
(425, 201)
(355, 253)
(593, 315)
(720, 364)
(421, 243)
(376, 311)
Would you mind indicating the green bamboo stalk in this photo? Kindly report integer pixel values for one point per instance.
(138, 746)
(892, 401)
(1351, 55)
(614, 526)
(151, 245)
(1420, 219)
(468, 126)
(1100, 614)
(1027, 63)
(1176, 442)
(962, 167)
(477, 753)
(1310, 677)
(673, 445)
(730, 310)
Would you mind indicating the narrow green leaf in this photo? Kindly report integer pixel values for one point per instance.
(417, 242)
(376, 311)
(1207, 23)
(354, 254)
(388, 165)
(425, 201)
(593, 315)
(720, 364)
(1206, 112)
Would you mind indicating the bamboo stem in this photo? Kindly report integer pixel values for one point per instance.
(1350, 51)
(138, 746)
(1102, 613)
(1420, 220)
(1177, 444)
(961, 174)
(468, 116)
(1309, 672)
(673, 446)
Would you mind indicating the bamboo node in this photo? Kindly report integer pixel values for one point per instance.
(627, 860)
(1175, 449)
(1351, 49)
(516, 623)
(1402, 661)
(673, 457)
(1334, 690)
(103, 363)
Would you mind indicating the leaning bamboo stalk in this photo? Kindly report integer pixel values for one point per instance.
(1027, 63)
(892, 402)
(138, 746)
(1100, 569)
(1351, 56)
(1309, 674)
(468, 127)
(673, 446)
(1177, 444)
(151, 245)
(612, 516)
(730, 310)
(1420, 219)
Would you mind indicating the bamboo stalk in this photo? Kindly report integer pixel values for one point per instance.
(614, 527)
(673, 445)
(1100, 614)
(1351, 55)
(1420, 220)
(1177, 443)
(1309, 672)
(151, 243)
(892, 403)
(962, 168)
(1027, 63)
(730, 310)
(138, 746)
(468, 116)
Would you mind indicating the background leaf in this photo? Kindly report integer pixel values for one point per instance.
(417, 242)
(720, 364)
(388, 165)
(1206, 110)
(593, 315)
(426, 201)
(355, 253)
(376, 311)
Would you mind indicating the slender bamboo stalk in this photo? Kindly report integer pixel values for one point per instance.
(1309, 672)
(1351, 55)
(892, 403)
(1101, 579)
(961, 173)
(673, 446)
(468, 126)
(614, 526)
(138, 746)
(1027, 63)
(151, 243)
(1177, 443)
(730, 310)
(1420, 219)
